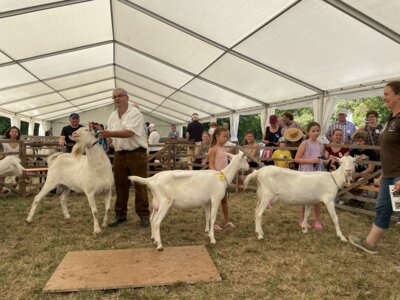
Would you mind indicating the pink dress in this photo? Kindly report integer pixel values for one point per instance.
(313, 149)
(221, 159)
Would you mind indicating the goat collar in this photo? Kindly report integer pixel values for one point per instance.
(93, 144)
(334, 181)
(222, 176)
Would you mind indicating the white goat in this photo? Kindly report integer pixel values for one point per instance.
(11, 166)
(190, 189)
(300, 188)
(90, 173)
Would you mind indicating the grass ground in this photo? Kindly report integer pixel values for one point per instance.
(286, 265)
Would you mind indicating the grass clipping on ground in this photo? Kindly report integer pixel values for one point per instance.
(287, 264)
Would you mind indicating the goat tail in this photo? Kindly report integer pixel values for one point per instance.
(249, 178)
(140, 180)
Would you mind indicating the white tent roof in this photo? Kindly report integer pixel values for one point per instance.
(176, 57)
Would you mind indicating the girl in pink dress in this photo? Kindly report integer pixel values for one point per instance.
(218, 160)
(310, 158)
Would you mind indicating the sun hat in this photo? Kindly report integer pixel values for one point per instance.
(293, 134)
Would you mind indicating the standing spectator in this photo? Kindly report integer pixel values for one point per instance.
(125, 127)
(389, 141)
(226, 126)
(347, 127)
(309, 158)
(271, 137)
(66, 138)
(372, 128)
(288, 122)
(282, 152)
(213, 126)
(218, 161)
(194, 133)
(49, 132)
(173, 134)
(154, 138)
(251, 147)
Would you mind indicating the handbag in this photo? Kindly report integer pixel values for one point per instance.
(267, 153)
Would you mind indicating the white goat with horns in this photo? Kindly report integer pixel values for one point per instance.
(90, 173)
(190, 189)
(300, 188)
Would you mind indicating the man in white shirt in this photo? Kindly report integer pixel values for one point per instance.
(125, 131)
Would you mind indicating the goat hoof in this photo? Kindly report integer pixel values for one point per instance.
(28, 220)
(343, 239)
(160, 248)
(213, 242)
(97, 231)
(104, 225)
(67, 217)
(260, 237)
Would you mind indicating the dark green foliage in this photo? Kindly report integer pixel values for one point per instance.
(5, 123)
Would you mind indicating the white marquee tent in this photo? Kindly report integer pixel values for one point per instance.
(176, 57)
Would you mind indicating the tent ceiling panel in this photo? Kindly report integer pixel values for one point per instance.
(169, 112)
(89, 89)
(103, 102)
(33, 103)
(149, 67)
(140, 93)
(58, 114)
(162, 41)
(143, 103)
(252, 80)
(185, 110)
(92, 98)
(58, 29)
(196, 103)
(4, 58)
(7, 5)
(70, 62)
(73, 80)
(225, 22)
(14, 75)
(386, 13)
(22, 92)
(335, 49)
(48, 109)
(163, 116)
(218, 95)
(144, 82)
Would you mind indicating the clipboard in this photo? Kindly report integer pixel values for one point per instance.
(395, 197)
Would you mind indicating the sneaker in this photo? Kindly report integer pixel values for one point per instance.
(144, 221)
(362, 244)
(116, 222)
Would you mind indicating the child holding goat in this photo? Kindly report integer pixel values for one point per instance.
(217, 161)
(310, 159)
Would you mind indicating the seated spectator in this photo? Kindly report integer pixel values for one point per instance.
(201, 162)
(348, 128)
(173, 134)
(12, 147)
(282, 152)
(251, 147)
(363, 169)
(271, 137)
(335, 151)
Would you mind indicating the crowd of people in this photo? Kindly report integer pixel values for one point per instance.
(128, 135)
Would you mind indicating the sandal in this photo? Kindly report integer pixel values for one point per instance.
(230, 225)
(217, 228)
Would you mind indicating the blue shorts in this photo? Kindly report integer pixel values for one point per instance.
(383, 206)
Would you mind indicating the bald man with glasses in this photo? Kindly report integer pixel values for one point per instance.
(125, 131)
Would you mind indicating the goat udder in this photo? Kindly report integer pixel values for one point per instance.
(155, 203)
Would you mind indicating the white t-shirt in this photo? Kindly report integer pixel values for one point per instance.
(154, 138)
(131, 120)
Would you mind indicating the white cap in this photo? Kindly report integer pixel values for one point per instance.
(342, 111)
(152, 125)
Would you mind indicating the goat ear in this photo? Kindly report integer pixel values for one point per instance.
(359, 158)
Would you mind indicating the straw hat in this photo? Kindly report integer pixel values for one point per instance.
(293, 134)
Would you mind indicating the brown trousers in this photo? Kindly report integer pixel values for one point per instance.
(127, 163)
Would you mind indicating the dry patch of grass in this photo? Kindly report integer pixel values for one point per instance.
(286, 265)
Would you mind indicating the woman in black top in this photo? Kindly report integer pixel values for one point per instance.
(272, 135)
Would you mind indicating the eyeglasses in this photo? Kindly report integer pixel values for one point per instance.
(117, 96)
